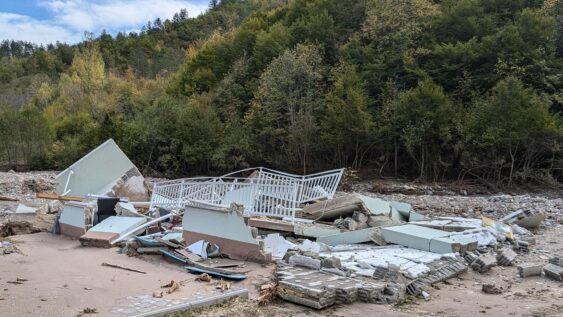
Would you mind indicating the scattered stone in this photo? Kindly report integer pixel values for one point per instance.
(331, 262)
(87, 311)
(204, 277)
(491, 289)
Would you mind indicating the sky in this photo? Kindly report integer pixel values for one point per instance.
(48, 21)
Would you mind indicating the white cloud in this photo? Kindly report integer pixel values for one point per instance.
(70, 18)
(21, 27)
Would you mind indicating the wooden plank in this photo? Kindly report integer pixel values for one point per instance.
(8, 198)
(57, 197)
(271, 225)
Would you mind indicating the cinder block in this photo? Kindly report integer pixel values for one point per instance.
(505, 257)
(557, 260)
(529, 269)
(554, 272)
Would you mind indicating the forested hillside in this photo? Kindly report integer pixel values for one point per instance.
(436, 90)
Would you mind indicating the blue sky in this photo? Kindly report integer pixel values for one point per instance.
(48, 21)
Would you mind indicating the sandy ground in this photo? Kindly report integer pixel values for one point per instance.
(63, 278)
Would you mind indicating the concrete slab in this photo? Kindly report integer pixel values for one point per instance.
(428, 239)
(411, 236)
(348, 237)
(118, 224)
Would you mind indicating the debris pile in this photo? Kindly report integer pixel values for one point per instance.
(328, 249)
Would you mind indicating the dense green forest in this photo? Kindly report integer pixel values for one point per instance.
(424, 89)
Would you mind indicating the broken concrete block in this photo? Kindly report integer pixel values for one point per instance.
(360, 217)
(529, 269)
(346, 205)
(484, 263)
(305, 261)
(126, 209)
(505, 257)
(350, 224)
(376, 236)
(557, 260)
(554, 272)
(277, 245)
(522, 246)
(524, 218)
(310, 246)
(76, 219)
(371, 292)
(331, 262)
(379, 221)
(394, 293)
(233, 236)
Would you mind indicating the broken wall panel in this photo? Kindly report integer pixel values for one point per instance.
(106, 170)
(224, 227)
(75, 219)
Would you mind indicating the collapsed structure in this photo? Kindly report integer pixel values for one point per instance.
(328, 248)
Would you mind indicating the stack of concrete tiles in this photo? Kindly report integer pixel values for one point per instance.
(319, 290)
(305, 287)
(371, 292)
(452, 267)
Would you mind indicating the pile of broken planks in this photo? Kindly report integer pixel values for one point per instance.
(328, 249)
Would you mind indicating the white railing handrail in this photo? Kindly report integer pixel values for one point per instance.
(270, 193)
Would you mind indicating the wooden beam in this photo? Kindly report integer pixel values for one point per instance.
(57, 197)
